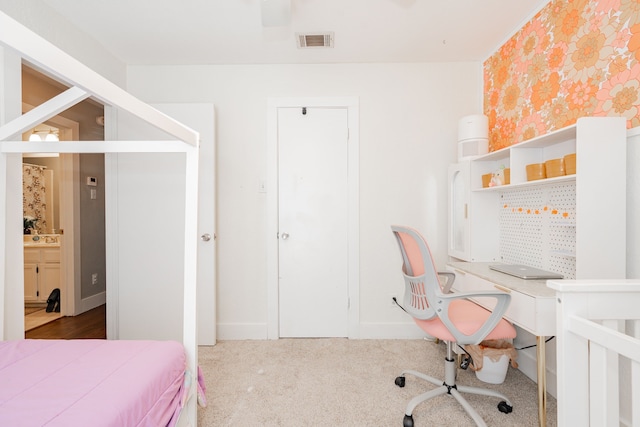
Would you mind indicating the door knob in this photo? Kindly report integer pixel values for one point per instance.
(285, 236)
(206, 237)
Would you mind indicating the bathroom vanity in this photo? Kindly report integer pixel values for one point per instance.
(41, 266)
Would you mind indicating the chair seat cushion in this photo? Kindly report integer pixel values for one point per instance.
(467, 317)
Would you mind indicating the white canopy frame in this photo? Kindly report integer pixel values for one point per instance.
(85, 83)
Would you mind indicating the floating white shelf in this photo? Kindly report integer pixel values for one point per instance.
(537, 183)
(589, 244)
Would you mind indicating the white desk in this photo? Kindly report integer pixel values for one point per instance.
(532, 308)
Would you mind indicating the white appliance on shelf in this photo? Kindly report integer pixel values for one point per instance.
(473, 136)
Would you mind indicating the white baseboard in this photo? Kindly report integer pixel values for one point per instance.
(527, 359)
(527, 364)
(258, 331)
(242, 331)
(92, 302)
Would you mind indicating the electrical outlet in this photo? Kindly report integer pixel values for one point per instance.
(391, 302)
(94, 279)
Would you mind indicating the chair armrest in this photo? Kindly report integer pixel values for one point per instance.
(450, 278)
(502, 303)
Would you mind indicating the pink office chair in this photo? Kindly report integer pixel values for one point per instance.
(450, 317)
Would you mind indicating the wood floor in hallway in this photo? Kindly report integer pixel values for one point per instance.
(91, 324)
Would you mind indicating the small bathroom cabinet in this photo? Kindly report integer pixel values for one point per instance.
(41, 273)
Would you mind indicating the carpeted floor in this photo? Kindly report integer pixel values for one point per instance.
(340, 382)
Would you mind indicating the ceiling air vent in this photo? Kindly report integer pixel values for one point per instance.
(309, 40)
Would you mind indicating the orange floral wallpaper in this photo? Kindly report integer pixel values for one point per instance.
(575, 58)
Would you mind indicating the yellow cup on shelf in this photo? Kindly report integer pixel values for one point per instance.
(570, 164)
(554, 167)
(536, 171)
(486, 179)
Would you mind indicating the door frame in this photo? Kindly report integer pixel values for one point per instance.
(351, 104)
(69, 209)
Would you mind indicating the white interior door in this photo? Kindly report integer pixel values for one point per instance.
(313, 222)
(201, 118)
(148, 209)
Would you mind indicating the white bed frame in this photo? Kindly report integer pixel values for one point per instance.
(86, 83)
(598, 352)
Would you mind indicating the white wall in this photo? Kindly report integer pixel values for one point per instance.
(408, 125)
(43, 20)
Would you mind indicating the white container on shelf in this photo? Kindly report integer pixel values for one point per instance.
(473, 136)
(472, 148)
(475, 126)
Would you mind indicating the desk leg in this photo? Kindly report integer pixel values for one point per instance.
(542, 381)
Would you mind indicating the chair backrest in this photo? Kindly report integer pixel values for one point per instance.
(422, 284)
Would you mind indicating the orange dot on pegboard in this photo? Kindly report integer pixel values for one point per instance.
(537, 212)
(528, 211)
(565, 214)
(545, 209)
(505, 206)
(519, 209)
(554, 212)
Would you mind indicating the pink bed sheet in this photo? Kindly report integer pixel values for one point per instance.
(90, 383)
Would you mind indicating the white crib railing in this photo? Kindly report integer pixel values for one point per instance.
(598, 351)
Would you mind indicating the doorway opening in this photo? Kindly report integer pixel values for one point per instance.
(75, 220)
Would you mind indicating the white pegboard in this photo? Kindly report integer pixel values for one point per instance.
(538, 227)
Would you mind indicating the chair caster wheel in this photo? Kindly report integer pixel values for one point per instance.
(400, 381)
(408, 421)
(505, 407)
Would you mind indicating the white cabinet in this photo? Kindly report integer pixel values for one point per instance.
(473, 224)
(30, 281)
(592, 230)
(41, 272)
